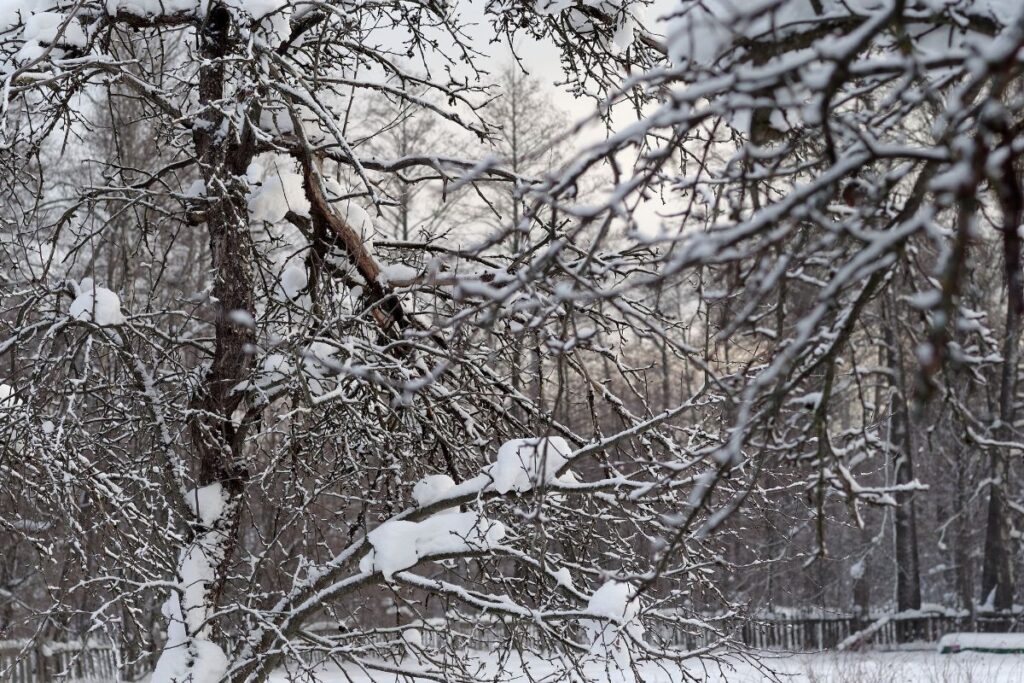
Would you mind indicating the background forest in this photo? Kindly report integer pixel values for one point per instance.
(328, 328)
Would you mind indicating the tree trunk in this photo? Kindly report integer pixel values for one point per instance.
(908, 574)
(997, 570)
(961, 549)
(216, 441)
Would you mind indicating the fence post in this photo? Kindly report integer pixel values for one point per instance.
(42, 669)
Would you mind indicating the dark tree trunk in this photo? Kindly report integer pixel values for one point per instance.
(997, 570)
(216, 440)
(997, 567)
(961, 548)
(908, 574)
(862, 580)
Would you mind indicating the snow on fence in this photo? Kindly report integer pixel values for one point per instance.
(96, 662)
(795, 633)
(775, 632)
(808, 634)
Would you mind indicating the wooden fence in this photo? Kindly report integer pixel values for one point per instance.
(91, 663)
(808, 634)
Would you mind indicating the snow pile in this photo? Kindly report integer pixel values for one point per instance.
(8, 399)
(277, 368)
(207, 503)
(281, 191)
(320, 367)
(398, 544)
(293, 281)
(292, 284)
(413, 638)
(197, 188)
(241, 318)
(356, 218)
(610, 637)
(398, 274)
(96, 304)
(523, 463)
(982, 642)
(189, 655)
(432, 488)
(44, 28)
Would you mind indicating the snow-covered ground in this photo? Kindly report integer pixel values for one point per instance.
(873, 667)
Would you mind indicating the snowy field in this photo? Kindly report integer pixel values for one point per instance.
(875, 667)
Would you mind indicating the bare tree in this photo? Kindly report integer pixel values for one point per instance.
(282, 423)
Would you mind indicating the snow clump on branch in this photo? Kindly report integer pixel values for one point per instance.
(523, 463)
(96, 304)
(399, 544)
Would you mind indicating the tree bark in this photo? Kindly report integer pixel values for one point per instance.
(908, 573)
(997, 570)
(217, 442)
(216, 439)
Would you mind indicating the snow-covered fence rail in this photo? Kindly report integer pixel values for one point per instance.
(56, 661)
(797, 633)
(774, 632)
(779, 632)
(96, 662)
(845, 632)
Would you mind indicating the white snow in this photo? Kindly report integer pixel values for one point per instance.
(96, 304)
(273, 16)
(189, 654)
(624, 34)
(612, 599)
(277, 367)
(809, 401)
(881, 667)
(196, 189)
(44, 27)
(320, 366)
(281, 191)
(551, 7)
(207, 503)
(431, 488)
(316, 362)
(857, 569)
(523, 463)
(399, 544)
(198, 661)
(398, 274)
(610, 640)
(413, 637)
(394, 548)
(293, 281)
(705, 31)
(356, 218)
(8, 399)
(241, 318)
(989, 642)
